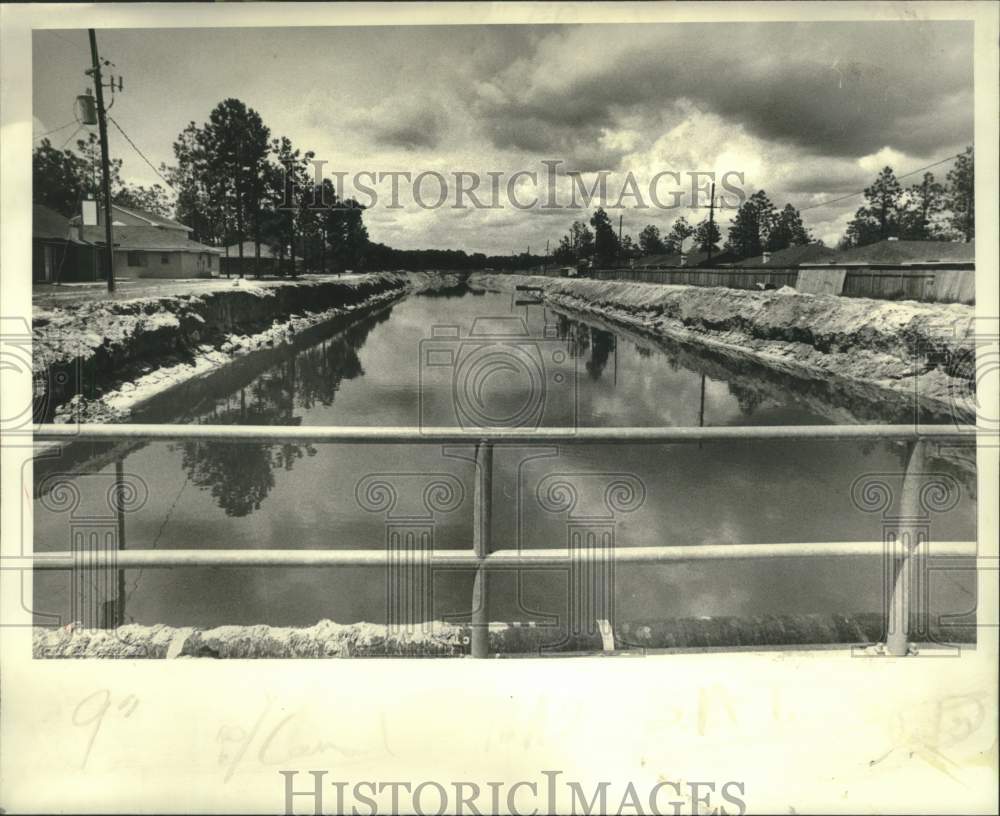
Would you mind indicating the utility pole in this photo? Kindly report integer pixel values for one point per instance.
(711, 230)
(239, 206)
(102, 124)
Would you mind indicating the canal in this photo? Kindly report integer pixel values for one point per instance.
(463, 357)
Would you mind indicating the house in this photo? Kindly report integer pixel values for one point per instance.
(940, 271)
(268, 264)
(895, 254)
(56, 254)
(695, 258)
(149, 246)
(789, 257)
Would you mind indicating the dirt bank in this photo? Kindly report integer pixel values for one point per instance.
(438, 639)
(96, 361)
(881, 349)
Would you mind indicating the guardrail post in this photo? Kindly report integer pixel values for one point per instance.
(482, 522)
(910, 536)
(119, 603)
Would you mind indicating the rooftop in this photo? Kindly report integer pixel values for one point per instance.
(151, 239)
(151, 219)
(694, 258)
(790, 256)
(46, 223)
(902, 253)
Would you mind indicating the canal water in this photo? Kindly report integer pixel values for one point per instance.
(468, 357)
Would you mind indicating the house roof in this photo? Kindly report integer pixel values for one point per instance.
(902, 253)
(46, 223)
(150, 239)
(658, 260)
(150, 218)
(691, 259)
(791, 256)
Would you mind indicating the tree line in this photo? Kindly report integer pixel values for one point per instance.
(926, 211)
(757, 227)
(380, 256)
(233, 182)
(63, 178)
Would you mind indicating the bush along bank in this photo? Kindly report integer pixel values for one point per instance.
(898, 350)
(97, 361)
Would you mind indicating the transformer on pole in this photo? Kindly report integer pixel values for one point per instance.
(109, 251)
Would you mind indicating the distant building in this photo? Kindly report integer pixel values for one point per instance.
(267, 265)
(905, 254)
(698, 258)
(789, 257)
(148, 246)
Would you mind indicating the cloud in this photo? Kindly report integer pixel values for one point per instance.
(808, 112)
(411, 124)
(831, 88)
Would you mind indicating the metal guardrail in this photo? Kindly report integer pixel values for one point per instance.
(375, 435)
(483, 557)
(498, 560)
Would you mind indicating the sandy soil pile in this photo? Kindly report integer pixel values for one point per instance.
(94, 361)
(903, 347)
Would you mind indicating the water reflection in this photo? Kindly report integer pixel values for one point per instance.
(240, 477)
(278, 496)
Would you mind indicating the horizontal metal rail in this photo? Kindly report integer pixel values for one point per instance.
(482, 558)
(278, 433)
(499, 560)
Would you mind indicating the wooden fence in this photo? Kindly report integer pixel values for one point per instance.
(926, 284)
(732, 277)
(941, 285)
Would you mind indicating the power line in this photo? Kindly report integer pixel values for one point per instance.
(862, 192)
(55, 130)
(137, 150)
(78, 129)
(61, 37)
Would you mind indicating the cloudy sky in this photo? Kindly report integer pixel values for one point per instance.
(807, 112)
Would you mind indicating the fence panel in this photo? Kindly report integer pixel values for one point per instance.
(731, 278)
(928, 285)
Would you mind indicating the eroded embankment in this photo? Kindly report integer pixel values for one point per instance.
(97, 361)
(898, 348)
(438, 639)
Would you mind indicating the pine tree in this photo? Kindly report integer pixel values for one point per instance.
(961, 195)
(605, 240)
(879, 217)
(788, 230)
(707, 236)
(678, 232)
(650, 241)
(923, 203)
(752, 226)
